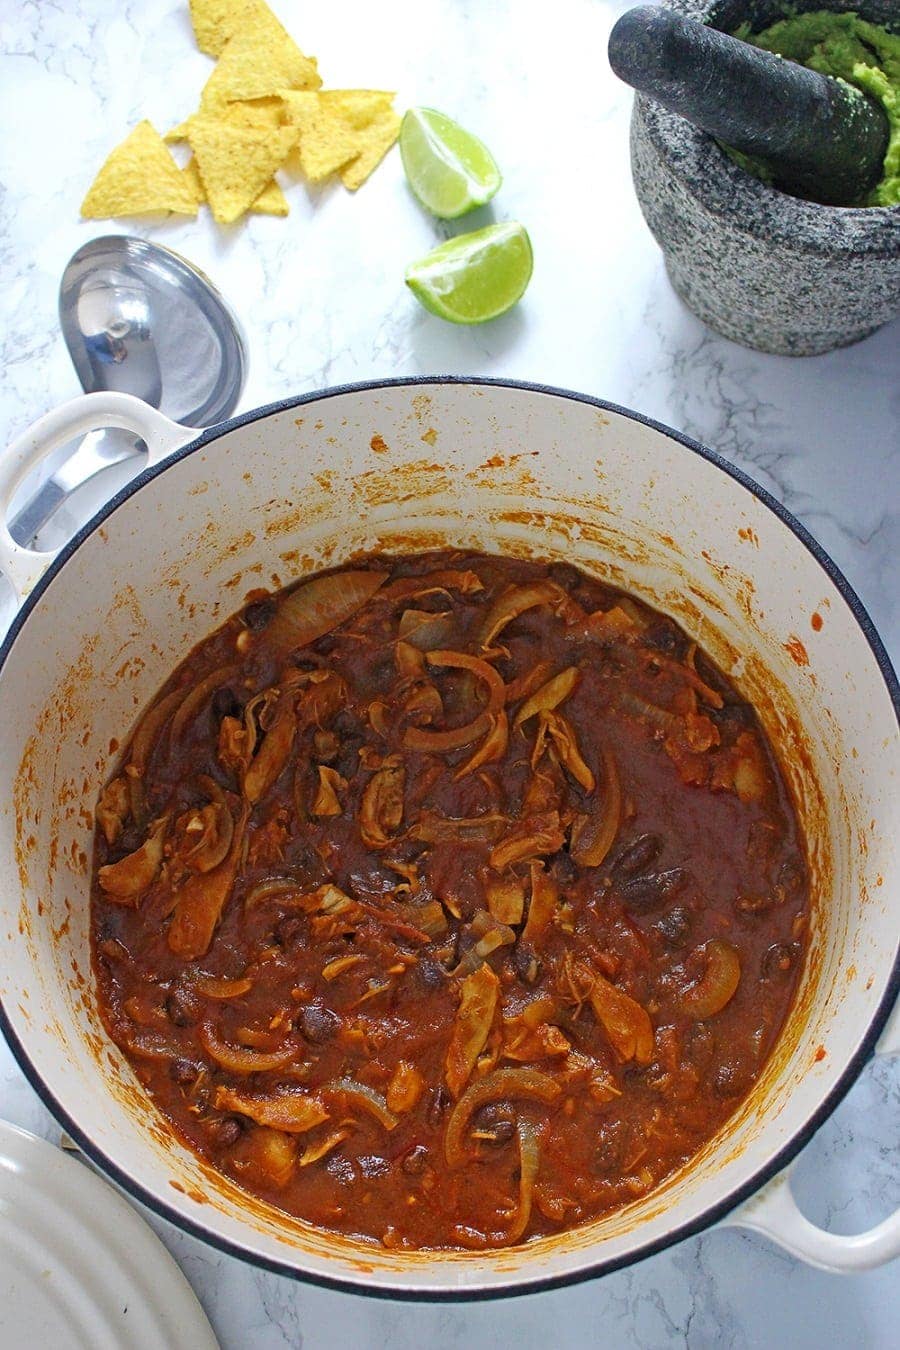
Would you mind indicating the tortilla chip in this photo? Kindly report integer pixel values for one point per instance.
(271, 201)
(332, 126)
(258, 61)
(378, 138)
(258, 114)
(139, 177)
(236, 163)
(214, 22)
(191, 175)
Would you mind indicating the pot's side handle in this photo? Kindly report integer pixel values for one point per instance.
(773, 1211)
(91, 412)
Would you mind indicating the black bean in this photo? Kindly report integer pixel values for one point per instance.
(565, 575)
(674, 926)
(739, 715)
(341, 1168)
(649, 891)
(636, 856)
(317, 1024)
(346, 723)
(779, 961)
(182, 1007)
(611, 1145)
(731, 1079)
(415, 1161)
(225, 1132)
(527, 966)
(224, 704)
(288, 928)
(373, 1166)
(184, 1071)
(663, 636)
(440, 1100)
(260, 613)
(497, 1119)
(430, 974)
(564, 868)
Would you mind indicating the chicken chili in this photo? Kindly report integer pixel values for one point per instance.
(447, 900)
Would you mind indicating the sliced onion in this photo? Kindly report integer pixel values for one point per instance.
(423, 629)
(718, 983)
(213, 986)
(200, 901)
(432, 828)
(550, 695)
(151, 724)
(447, 579)
(492, 748)
(190, 706)
(365, 1097)
(317, 607)
(527, 683)
(594, 835)
(438, 742)
(514, 602)
(531, 1084)
(272, 889)
(444, 579)
(483, 671)
(242, 1061)
(529, 1163)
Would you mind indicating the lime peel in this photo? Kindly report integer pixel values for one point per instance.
(448, 169)
(474, 277)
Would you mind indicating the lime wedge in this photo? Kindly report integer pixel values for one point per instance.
(448, 168)
(474, 277)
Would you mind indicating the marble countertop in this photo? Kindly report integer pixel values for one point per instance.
(322, 299)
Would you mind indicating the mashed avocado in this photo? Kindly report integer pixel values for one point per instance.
(860, 53)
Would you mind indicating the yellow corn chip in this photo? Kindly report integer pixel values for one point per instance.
(259, 113)
(377, 140)
(236, 163)
(214, 22)
(191, 175)
(258, 61)
(331, 123)
(139, 176)
(271, 201)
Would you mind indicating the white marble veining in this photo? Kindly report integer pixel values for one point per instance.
(322, 298)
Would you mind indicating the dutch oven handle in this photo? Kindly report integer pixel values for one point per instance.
(774, 1212)
(90, 412)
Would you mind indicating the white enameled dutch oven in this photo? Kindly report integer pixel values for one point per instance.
(400, 465)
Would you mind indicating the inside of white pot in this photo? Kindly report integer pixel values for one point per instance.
(406, 468)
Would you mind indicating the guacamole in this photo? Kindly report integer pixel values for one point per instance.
(860, 53)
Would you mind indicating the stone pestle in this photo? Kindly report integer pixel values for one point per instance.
(818, 137)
